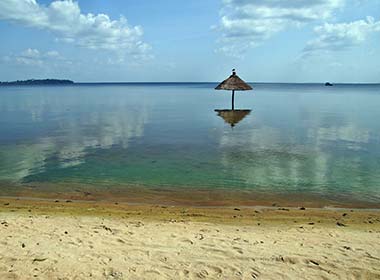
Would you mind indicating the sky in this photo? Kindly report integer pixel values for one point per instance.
(191, 41)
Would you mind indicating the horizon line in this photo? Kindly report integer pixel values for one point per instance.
(193, 82)
(213, 82)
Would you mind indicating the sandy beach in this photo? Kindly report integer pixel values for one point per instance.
(169, 140)
(96, 240)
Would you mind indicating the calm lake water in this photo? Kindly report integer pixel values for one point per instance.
(165, 142)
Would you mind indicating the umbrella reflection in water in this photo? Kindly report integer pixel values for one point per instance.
(232, 117)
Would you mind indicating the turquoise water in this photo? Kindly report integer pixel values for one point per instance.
(298, 140)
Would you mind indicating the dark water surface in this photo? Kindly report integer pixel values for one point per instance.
(301, 143)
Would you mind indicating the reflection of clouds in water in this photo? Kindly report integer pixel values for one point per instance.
(262, 137)
(102, 124)
(19, 161)
(274, 157)
(349, 133)
(102, 130)
(72, 155)
(33, 105)
(260, 158)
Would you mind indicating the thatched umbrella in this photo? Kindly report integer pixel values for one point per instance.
(232, 117)
(233, 83)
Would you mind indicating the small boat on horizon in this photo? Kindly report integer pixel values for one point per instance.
(328, 84)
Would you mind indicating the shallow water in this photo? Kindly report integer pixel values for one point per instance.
(299, 140)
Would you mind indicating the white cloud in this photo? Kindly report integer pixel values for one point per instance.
(341, 36)
(246, 23)
(30, 53)
(34, 57)
(65, 20)
(52, 54)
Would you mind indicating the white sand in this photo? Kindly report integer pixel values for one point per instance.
(36, 246)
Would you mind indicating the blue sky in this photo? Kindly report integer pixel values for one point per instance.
(167, 40)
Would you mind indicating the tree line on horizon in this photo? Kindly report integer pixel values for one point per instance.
(39, 82)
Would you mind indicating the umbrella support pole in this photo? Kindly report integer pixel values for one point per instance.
(233, 100)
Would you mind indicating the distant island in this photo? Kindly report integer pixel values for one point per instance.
(38, 82)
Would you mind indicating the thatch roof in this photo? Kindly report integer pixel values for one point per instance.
(232, 117)
(234, 83)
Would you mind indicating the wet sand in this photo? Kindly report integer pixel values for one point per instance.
(66, 239)
(182, 196)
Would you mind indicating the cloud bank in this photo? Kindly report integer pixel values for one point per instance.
(69, 24)
(341, 36)
(34, 57)
(247, 23)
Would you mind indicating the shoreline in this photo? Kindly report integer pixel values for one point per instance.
(29, 200)
(182, 196)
